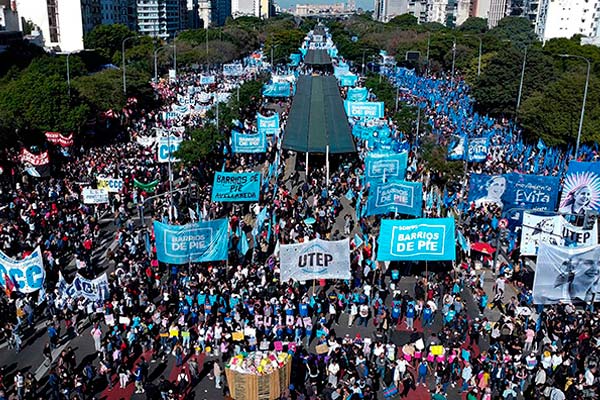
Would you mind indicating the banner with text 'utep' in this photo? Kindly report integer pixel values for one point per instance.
(198, 242)
(316, 259)
(422, 239)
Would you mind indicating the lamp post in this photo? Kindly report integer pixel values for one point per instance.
(68, 54)
(585, 90)
(453, 59)
(156, 61)
(272, 50)
(363, 62)
(123, 54)
(522, 79)
(480, 51)
(427, 56)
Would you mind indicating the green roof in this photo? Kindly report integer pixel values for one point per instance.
(317, 57)
(318, 118)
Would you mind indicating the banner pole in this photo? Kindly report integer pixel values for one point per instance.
(327, 163)
(313, 288)
(170, 178)
(306, 169)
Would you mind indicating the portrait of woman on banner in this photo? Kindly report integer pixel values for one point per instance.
(577, 201)
(495, 188)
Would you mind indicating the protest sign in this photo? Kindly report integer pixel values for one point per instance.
(236, 186)
(364, 109)
(28, 275)
(396, 196)
(422, 239)
(111, 185)
(94, 196)
(316, 259)
(197, 242)
(248, 143)
(167, 147)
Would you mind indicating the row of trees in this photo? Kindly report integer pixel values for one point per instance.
(552, 90)
(39, 95)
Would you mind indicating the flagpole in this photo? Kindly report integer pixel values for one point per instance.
(306, 170)
(170, 179)
(327, 163)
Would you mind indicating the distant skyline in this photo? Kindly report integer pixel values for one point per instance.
(364, 4)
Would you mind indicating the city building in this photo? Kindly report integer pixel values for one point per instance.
(565, 18)
(319, 9)
(62, 23)
(220, 11)
(240, 8)
(492, 10)
(205, 13)
(448, 12)
(161, 18)
(193, 14)
(118, 12)
(9, 17)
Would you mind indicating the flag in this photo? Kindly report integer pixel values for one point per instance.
(9, 285)
(243, 244)
(357, 241)
(540, 144)
(462, 241)
(146, 187)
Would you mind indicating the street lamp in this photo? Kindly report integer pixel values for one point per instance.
(453, 59)
(123, 54)
(522, 79)
(585, 90)
(480, 51)
(427, 56)
(273, 48)
(68, 54)
(156, 60)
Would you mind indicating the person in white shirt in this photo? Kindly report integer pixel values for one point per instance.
(353, 314)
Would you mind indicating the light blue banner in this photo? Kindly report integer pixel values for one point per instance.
(530, 192)
(277, 89)
(295, 59)
(236, 187)
(422, 239)
(364, 109)
(348, 80)
(248, 143)
(357, 94)
(477, 149)
(333, 52)
(341, 69)
(268, 125)
(457, 147)
(398, 196)
(28, 274)
(388, 167)
(207, 79)
(233, 69)
(303, 51)
(198, 242)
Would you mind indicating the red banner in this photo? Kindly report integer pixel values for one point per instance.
(59, 139)
(34, 159)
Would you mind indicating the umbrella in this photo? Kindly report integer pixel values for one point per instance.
(309, 221)
(484, 248)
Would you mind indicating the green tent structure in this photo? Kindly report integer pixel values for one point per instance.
(317, 57)
(317, 122)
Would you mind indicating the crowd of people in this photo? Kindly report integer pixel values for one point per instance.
(342, 335)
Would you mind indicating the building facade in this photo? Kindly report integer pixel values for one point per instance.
(385, 10)
(161, 18)
(565, 18)
(9, 17)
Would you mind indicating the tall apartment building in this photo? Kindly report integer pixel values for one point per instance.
(448, 12)
(492, 10)
(161, 18)
(385, 10)
(565, 18)
(118, 12)
(63, 23)
(220, 11)
(240, 8)
(205, 13)
(9, 17)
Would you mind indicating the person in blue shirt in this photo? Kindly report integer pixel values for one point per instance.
(427, 315)
(410, 316)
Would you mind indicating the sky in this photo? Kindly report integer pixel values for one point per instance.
(364, 4)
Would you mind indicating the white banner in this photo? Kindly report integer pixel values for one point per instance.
(111, 185)
(28, 274)
(95, 289)
(554, 230)
(146, 141)
(167, 146)
(317, 259)
(94, 196)
(566, 274)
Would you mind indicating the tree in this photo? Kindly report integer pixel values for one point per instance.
(283, 43)
(103, 91)
(35, 102)
(517, 30)
(107, 39)
(434, 155)
(404, 21)
(474, 25)
(202, 143)
(496, 90)
(553, 113)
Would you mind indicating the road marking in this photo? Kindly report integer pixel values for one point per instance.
(42, 369)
